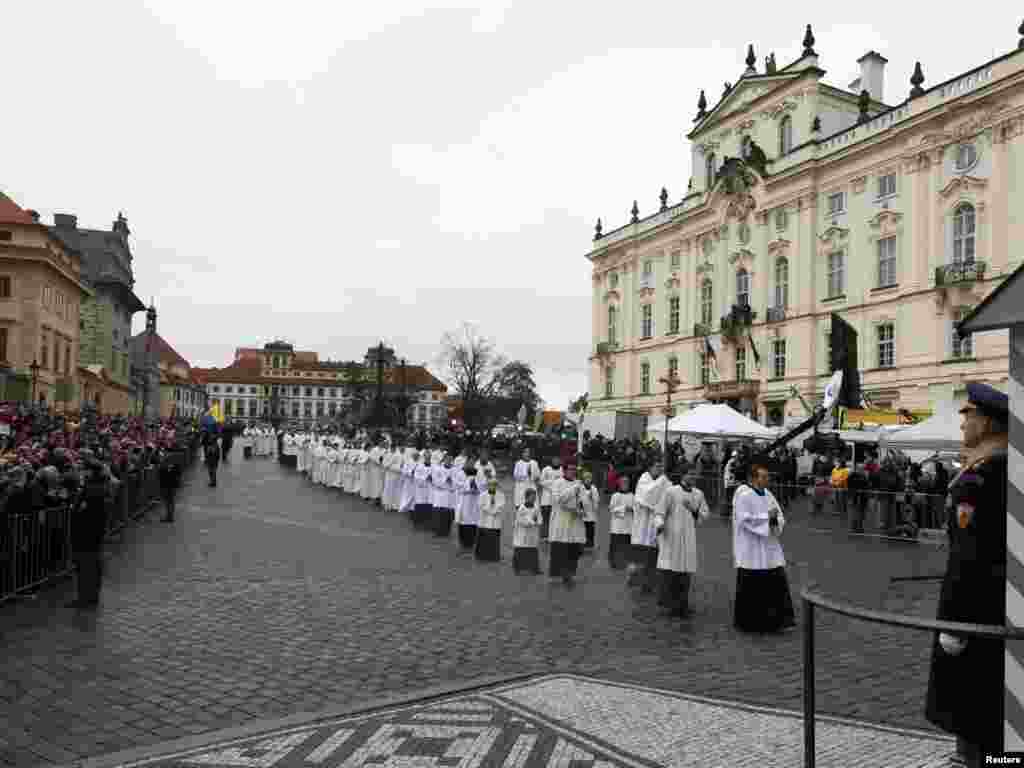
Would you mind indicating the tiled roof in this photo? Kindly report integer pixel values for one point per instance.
(165, 352)
(12, 213)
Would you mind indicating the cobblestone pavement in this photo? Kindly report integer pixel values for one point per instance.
(270, 596)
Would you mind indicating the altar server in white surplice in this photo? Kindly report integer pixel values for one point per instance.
(649, 490)
(469, 511)
(526, 535)
(526, 473)
(408, 497)
(423, 475)
(568, 534)
(676, 518)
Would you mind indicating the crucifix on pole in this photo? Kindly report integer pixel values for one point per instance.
(672, 382)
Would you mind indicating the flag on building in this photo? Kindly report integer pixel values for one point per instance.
(216, 414)
(753, 348)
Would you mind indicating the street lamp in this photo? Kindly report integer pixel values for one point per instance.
(35, 377)
(672, 383)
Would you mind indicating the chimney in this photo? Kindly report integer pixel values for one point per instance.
(65, 221)
(872, 74)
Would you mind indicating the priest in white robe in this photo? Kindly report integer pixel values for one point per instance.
(763, 600)
(469, 511)
(676, 518)
(644, 537)
(443, 497)
(423, 475)
(408, 494)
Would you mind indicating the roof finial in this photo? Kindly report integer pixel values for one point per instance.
(916, 80)
(597, 230)
(770, 68)
(635, 212)
(664, 198)
(864, 103)
(1020, 31)
(751, 60)
(809, 42)
(702, 106)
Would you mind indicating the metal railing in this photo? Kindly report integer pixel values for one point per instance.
(35, 547)
(812, 598)
(959, 272)
(775, 314)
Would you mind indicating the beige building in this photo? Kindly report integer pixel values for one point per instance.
(41, 293)
(808, 199)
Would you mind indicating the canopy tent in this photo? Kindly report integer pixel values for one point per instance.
(717, 420)
(939, 433)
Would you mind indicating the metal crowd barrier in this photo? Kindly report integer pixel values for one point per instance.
(812, 598)
(35, 547)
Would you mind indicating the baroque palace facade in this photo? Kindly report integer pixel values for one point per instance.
(280, 382)
(807, 200)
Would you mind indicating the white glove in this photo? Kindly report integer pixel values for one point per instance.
(952, 644)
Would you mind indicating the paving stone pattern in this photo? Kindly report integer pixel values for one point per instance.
(270, 596)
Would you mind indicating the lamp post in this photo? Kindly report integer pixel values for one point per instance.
(671, 382)
(35, 377)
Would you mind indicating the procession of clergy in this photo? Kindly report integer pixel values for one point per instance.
(652, 531)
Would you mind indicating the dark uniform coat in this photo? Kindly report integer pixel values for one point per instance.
(965, 692)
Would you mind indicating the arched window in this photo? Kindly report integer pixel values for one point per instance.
(743, 288)
(706, 297)
(785, 135)
(709, 170)
(612, 317)
(781, 283)
(963, 234)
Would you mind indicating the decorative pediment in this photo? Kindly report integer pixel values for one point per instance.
(741, 95)
(781, 244)
(833, 235)
(885, 218)
(743, 256)
(777, 110)
(963, 184)
(979, 121)
(612, 295)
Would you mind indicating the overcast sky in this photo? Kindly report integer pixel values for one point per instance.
(334, 173)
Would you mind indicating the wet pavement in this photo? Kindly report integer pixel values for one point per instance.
(270, 597)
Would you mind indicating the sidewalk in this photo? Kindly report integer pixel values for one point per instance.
(556, 721)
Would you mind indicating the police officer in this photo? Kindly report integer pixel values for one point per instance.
(965, 687)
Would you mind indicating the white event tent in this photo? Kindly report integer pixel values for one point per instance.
(941, 432)
(718, 420)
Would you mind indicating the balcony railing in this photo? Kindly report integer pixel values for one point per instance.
(737, 321)
(606, 347)
(966, 271)
(702, 329)
(735, 389)
(776, 314)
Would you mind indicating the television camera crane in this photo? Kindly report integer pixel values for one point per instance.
(819, 443)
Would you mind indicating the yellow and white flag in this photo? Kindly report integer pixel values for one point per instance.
(215, 412)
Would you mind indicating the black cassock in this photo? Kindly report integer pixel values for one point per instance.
(965, 692)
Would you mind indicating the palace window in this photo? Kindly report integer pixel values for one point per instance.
(779, 358)
(319, 408)
(216, 388)
(647, 277)
(229, 407)
(709, 170)
(886, 346)
(673, 367)
(741, 363)
(887, 261)
(3, 344)
(781, 283)
(307, 409)
(705, 368)
(309, 391)
(612, 317)
(963, 234)
(295, 391)
(963, 346)
(780, 219)
(645, 378)
(828, 352)
(743, 288)
(673, 315)
(609, 381)
(295, 410)
(785, 135)
(706, 301)
(966, 156)
(332, 392)
(332, 409)
(886, 185)
(674, 260)
(253, 405)
(613, 280)
(646, 321)
(5, 287)
(320, 392)
(836, 203)
(229, 390)
(835, 274)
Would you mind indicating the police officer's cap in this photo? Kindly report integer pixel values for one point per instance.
(989, 400)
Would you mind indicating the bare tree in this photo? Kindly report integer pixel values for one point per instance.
(473, 368)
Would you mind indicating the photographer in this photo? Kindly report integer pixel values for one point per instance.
(87, 530)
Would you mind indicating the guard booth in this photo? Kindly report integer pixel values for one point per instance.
(1004, 308)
